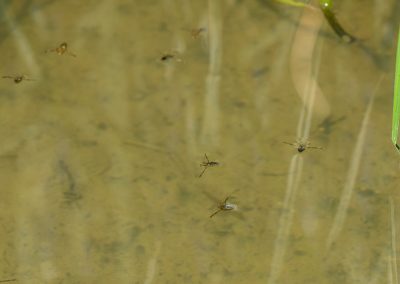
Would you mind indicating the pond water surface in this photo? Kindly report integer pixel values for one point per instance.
(100, 152)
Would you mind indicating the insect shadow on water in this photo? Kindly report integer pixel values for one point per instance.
(328, 124)
(302, 146)
(18, 78)
(71, 195)
(224, 206)
(61, 49)
(207, 164)
(174, 157)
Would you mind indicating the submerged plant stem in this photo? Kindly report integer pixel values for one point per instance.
(304, 59)
(342, 210)
(326, 7)
(393, 242)
(286, 219)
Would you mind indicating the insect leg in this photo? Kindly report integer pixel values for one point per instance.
(213, 214)
(205, 168)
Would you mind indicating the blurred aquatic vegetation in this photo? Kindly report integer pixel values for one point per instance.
(352, 173)
(23, 9)
(380, 60)
(292, 3)
(326, 8)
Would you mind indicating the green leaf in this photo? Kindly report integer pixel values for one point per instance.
(292, 3)
(396, 98)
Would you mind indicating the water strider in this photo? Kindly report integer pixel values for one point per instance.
(207, 164)
(18, 78)
(61, 49)
(196, 33)
(166, 57)
(302, 146)
(224, 206)
(174, 55)
(7, 280)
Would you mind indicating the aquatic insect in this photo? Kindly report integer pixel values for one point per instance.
(326, 7)
(196, 33)
(224, 206)
(302, 146)
(18, 78)
(167, 57)
(8, 280)
(62, 49)
(206, 164)
(171, 55)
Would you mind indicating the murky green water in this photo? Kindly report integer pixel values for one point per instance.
(100, 154)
